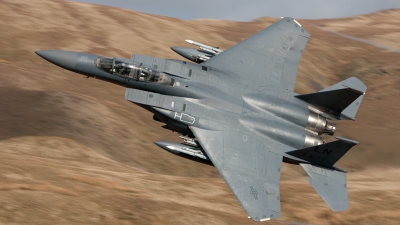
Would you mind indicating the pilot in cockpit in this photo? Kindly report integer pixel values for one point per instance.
(141, 78)
(120, 68)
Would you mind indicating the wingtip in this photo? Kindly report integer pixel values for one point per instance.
(297, 22)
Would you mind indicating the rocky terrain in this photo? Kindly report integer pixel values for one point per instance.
(74, 151)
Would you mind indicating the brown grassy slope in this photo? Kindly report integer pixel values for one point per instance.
(379, 27)
(74, 151)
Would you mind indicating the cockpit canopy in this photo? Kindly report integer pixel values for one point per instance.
(129, 69)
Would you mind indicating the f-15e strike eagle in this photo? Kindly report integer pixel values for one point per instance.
(237, 109)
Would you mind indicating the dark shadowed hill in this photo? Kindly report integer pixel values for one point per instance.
(73, 151)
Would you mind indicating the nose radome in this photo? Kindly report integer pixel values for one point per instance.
(64, 59)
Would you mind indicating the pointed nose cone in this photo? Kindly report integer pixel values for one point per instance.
(181, 51)
(64, 59)
(178, 50)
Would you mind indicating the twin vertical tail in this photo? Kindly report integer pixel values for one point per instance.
(339, 102)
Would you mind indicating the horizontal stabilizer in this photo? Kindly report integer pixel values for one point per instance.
(330, 185)
(341, 100)
(326, 154)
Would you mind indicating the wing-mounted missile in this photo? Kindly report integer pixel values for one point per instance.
(200, 55)
(193, 54)
(206, 48)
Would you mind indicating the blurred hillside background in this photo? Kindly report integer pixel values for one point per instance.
(74, 151)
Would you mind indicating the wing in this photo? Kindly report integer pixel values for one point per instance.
(251, 172)
(270, 57)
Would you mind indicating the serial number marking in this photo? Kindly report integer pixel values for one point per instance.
(311, 156)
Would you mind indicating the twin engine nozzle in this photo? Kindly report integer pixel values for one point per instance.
(320, 124)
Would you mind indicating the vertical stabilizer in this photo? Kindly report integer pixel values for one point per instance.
(341, 100)
(325, 155)
(330, 185)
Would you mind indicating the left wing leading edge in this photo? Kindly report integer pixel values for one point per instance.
(270, 57)
(251, 172)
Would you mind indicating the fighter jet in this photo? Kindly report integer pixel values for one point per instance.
(238, 111)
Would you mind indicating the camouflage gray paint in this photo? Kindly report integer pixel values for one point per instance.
(238, 110)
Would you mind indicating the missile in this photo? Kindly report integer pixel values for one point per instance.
(213, 50)
(197, 55)
(178, 148)
(192, 54)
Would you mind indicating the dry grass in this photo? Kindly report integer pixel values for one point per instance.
(379, 27)
(73, 151)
